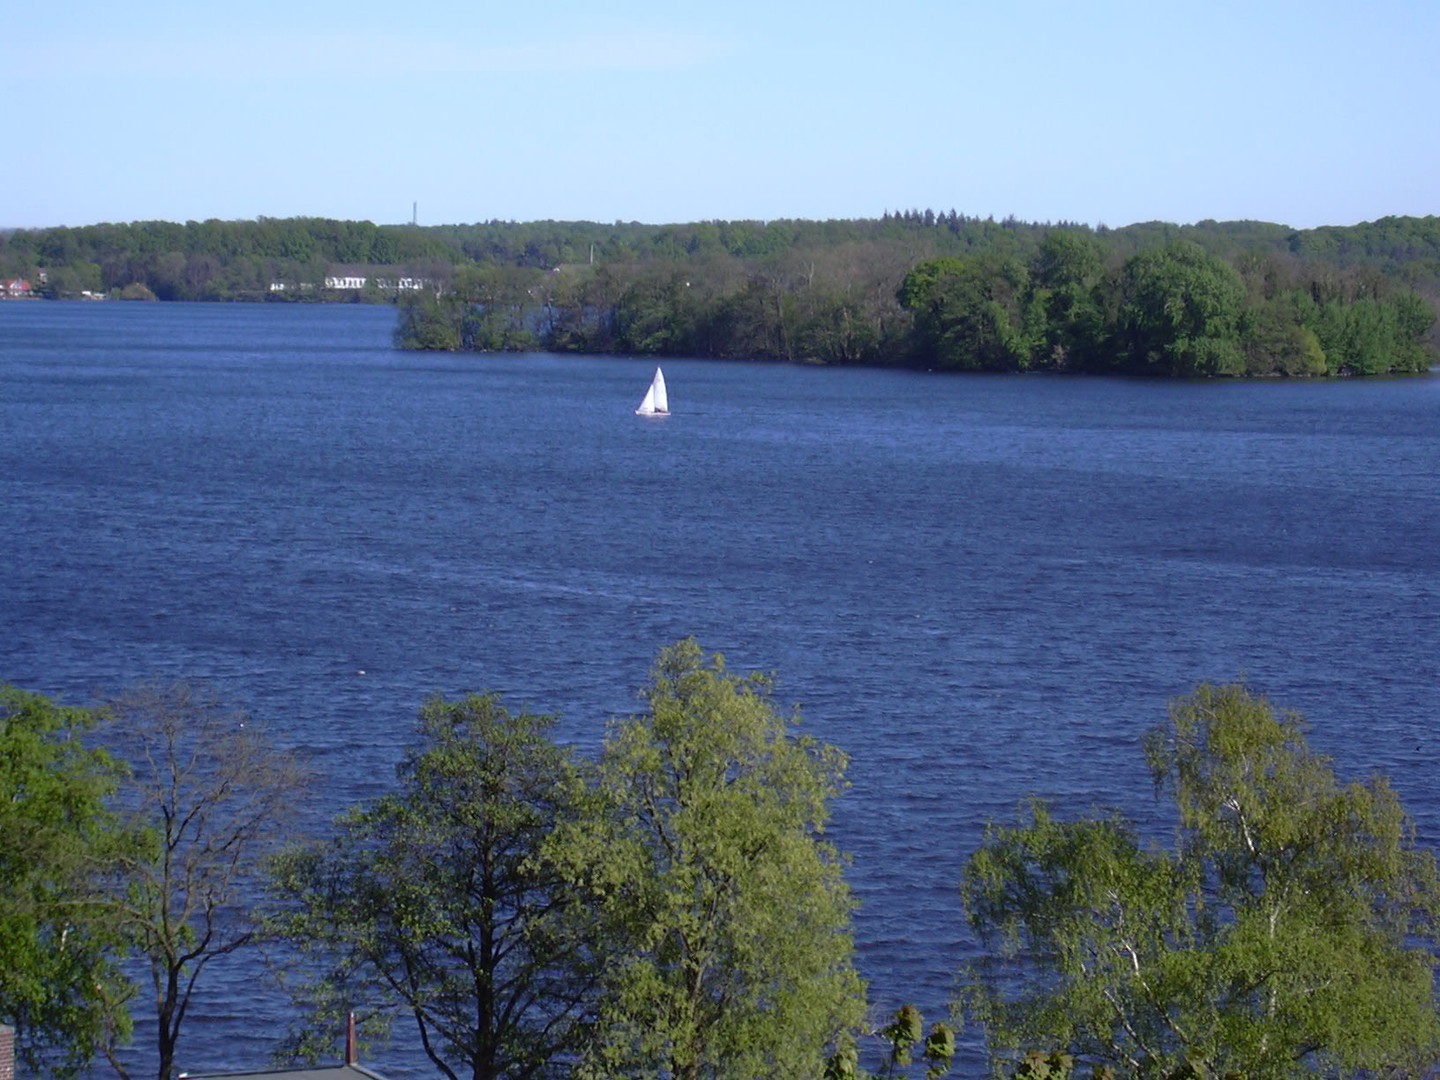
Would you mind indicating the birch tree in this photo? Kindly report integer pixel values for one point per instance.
(1290, 931)
(60, 943)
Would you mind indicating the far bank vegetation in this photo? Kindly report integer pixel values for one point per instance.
(916, 289)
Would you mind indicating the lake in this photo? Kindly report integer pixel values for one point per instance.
(980, 588)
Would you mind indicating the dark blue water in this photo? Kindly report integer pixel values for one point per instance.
(980, 588)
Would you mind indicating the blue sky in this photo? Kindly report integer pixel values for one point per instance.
(1107, 112)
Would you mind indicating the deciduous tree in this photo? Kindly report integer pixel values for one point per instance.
(1181, 314)
(1290, 931)
(212, 793)
(723, 910)
(433, 902)
(971, 314)
(59, 940)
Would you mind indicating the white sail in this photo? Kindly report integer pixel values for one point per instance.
(656, 402)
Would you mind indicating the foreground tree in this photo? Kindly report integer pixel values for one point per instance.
(59, 940)
(433, 902)
(1290, 932)
(723, 912)
(212, 794)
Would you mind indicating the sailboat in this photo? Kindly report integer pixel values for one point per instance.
(656, 402)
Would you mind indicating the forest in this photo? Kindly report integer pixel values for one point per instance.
(916, 289)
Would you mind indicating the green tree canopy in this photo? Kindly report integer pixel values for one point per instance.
(433, 902)
(971, 314)
(59, 940)
(725, 916)
(1181, 313)
(430, 322)
(1015, 295)
(1065, 276)
(1068, 257)
(1290, 931)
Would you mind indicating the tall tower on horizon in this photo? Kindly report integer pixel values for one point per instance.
(414, 212)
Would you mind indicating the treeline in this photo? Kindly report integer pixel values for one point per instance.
(1404, 248)
(1071, 304)
(1407, 248)
(916, 288)
(218, 260)
(1172, 310)
(673, 908)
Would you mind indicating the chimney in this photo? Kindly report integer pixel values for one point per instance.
(7, 1052)
(352, 1056)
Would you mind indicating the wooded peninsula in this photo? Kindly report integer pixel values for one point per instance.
(916, 289)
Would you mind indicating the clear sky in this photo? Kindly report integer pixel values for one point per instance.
(1104, 112)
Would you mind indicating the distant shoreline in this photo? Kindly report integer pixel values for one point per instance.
(918, 290)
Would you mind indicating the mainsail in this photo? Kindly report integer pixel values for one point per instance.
(656, 402)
